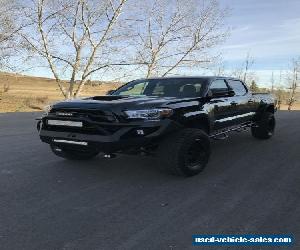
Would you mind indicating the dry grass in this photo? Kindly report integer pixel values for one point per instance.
(25, 93)
(296, 106)
(36, 103)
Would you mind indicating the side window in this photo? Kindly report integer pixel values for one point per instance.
(218, 84)
(158, 90)
(218, 87)
(197, 87)
(238, 87)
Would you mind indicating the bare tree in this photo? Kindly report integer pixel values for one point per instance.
(175, 34)
(8, 28)
(280, 96)
(294, 78)
(75, 38)
(219, 71)
(272, 82)
(244, 72)
(248, 63)
(254, 87)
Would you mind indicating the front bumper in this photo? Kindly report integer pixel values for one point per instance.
(123, 136)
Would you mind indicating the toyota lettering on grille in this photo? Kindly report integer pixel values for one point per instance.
(63, 114)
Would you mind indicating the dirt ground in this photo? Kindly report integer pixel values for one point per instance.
(20, 93)
(296, 106)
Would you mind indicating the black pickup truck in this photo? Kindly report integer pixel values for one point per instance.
(171, 118)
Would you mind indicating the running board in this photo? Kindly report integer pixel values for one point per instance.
(221, 135)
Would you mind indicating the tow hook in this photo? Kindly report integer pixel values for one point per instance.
(39, 124)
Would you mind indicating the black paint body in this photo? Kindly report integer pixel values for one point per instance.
(105, 125)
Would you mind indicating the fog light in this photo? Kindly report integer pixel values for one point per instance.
(140, 132)
(57, 149)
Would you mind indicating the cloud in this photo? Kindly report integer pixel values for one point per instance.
(269, 30)
(280, 41)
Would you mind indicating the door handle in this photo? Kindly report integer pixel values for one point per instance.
(233, 103)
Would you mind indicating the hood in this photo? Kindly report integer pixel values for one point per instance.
(116, 103)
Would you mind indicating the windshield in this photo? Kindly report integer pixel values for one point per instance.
(168, 87)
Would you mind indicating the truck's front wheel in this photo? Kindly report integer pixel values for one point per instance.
(72, 154)
(185, 153)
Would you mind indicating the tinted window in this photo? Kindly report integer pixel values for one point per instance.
(218, 87)
(238, 87)
(218, 84)
(167, 87)
(135, 89)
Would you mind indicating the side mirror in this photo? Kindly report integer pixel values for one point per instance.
(109, 92)
(231, 92)
(210, 94)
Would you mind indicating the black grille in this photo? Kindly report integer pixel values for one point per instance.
(93, 115)
(89, 118)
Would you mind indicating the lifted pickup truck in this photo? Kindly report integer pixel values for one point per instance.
(172, 118)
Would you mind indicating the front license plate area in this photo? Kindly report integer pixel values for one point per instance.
(65, 123)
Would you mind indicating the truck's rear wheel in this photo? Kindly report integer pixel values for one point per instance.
(265, 126)
(72, 154)
(185, 153)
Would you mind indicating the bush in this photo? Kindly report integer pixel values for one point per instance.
(6, 88)
(36, 102)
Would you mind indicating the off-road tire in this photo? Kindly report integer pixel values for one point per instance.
(72, 154)
(264, 127)
(177, 150)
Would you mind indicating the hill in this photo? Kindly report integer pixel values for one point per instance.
(27, 93)
(21, 93)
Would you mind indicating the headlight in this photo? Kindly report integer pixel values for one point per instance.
(149, 114)
(47, 109)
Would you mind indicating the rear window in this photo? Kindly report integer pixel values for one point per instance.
(238, 87)
(218, 86)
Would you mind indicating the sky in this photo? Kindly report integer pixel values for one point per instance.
(268, 29)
